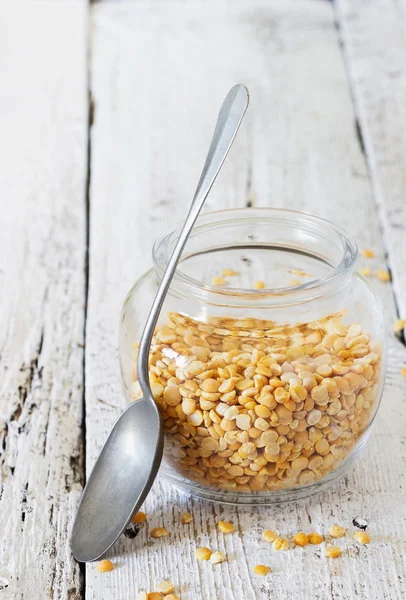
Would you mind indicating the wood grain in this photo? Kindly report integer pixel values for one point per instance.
(373, 35)
(159, 72)
(43, 123)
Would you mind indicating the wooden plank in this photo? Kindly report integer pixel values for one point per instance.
(159, 72)
(43, 123)
(373, 35)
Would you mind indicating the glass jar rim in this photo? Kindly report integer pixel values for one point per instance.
(310, 290)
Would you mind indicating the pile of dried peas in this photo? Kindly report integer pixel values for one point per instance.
(249, 405)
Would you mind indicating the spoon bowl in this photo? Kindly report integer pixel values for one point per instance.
(127, 463)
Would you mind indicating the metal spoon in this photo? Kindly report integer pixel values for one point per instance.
(130, 458)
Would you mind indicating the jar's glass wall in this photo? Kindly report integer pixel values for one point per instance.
(261, 392)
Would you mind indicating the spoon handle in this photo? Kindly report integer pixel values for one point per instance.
(228, 122)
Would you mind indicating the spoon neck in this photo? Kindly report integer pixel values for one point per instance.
(146, 338)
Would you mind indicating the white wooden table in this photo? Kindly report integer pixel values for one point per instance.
(106, 111)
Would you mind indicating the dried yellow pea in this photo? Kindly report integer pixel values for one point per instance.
(104, 566)
(315, 538)
(203, 553)
(336, 531)
(300, 273)
(399, 325)
(165, 587)
(217, 557)
(383, 275)
(225, 527)
(186, 518)
(139, 517)
(333, 551)
(362, 537)
(280, 544)
(261, 570)
(158, 532)
(301, 539)
(270, 535)
(154, 596)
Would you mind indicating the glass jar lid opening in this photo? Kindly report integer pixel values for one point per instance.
(263, 256)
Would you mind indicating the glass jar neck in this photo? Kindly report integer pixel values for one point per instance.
(280, 237)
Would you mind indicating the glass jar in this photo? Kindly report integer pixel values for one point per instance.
(268, 360)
